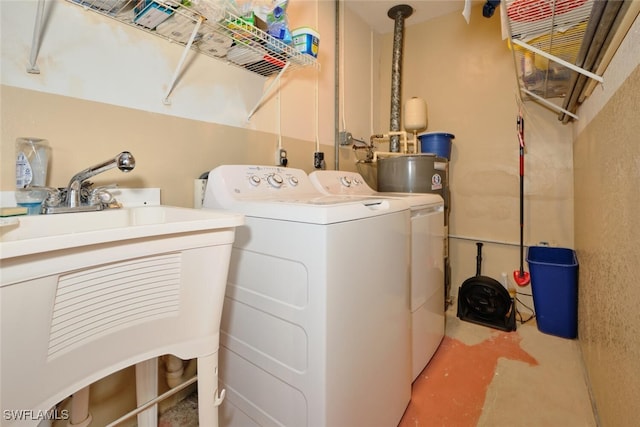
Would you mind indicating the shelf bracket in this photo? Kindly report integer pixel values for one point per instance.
(185, 52)
(268, 90)
(35, 44)
(548, 103)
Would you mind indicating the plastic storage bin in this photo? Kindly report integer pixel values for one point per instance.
(438, 143)
(554, 284)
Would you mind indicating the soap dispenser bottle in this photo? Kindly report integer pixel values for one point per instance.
(32, 161)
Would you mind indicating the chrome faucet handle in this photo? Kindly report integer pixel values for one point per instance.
(101, 195)
(54, 195)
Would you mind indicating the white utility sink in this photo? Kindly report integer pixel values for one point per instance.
(24, 235)
(83, 295)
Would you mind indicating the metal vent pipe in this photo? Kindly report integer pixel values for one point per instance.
(398, 14)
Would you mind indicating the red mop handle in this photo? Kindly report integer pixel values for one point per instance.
(521, 140)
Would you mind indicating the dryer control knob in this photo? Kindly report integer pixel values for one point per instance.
(293, 181)
(345, 181)
(275, 180)
(254, 180)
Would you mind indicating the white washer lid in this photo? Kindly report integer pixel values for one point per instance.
(333, 182)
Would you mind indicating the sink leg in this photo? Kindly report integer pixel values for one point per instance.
(80, 416)
(146, 390)
(208, 397)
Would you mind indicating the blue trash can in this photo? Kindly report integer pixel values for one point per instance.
(554, 285)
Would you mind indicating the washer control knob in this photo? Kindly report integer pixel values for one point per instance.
(344, 180)
(254, 180)
(275, 180)
(293, 181)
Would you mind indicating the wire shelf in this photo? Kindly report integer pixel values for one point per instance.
(213, 31)
(546, 38)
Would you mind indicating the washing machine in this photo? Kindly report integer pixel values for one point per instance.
(427, 258)
(316, 323)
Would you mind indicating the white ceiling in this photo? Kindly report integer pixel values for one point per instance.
(374, 12)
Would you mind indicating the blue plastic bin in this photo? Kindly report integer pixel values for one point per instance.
(438, 143)
(554, 285)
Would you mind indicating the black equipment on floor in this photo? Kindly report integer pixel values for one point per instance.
(485, 301)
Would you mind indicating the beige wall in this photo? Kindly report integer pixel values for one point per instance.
(170, 152)
(607, 206)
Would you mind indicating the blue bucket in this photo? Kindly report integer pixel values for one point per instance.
(438, 143)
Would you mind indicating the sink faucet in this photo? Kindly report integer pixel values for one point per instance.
(69, 200)
(123, 161)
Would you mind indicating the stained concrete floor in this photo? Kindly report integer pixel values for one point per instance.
(488, 378)
(483, 377)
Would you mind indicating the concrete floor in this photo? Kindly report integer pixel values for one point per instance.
(486, 378)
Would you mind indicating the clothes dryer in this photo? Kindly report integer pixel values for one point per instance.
(316, 320)
(427, 258)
